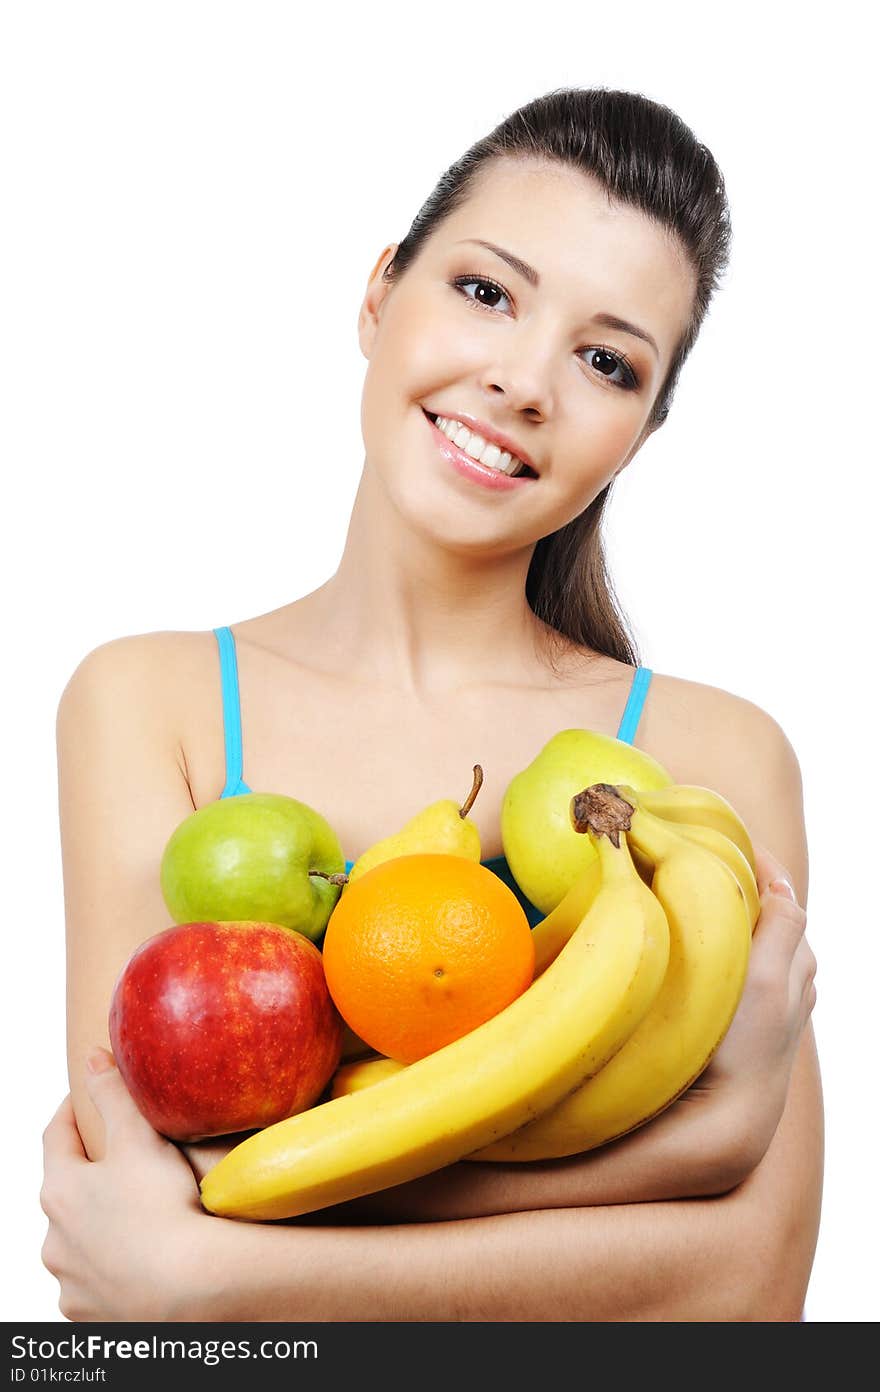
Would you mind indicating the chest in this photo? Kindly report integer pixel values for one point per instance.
(368, 760)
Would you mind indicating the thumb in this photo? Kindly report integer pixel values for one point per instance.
(106, 1088)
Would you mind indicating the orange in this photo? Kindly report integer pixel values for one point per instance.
(424, 948)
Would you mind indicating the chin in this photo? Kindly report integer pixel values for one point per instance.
(435, 514)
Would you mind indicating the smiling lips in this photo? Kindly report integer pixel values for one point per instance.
(490, 468)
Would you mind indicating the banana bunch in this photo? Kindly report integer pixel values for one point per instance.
(634, 988)
(701, 864)
(605, 960)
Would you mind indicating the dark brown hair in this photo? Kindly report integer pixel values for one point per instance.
(646, 158)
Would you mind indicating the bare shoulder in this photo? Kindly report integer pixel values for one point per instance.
(705, 727)
(717, 739)
(153, 690)
(146, 667)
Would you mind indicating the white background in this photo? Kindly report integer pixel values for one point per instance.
(194, 197)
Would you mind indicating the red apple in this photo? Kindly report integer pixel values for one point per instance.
(220, 1027)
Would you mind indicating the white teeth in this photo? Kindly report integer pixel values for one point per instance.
(478, 448)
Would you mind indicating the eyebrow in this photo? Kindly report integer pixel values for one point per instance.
(607, 321)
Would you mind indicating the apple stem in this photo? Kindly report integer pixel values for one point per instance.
(475, 788)
(602, 810)
(331, 879)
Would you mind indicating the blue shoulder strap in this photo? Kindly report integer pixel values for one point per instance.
(632, 711)
(231, 713)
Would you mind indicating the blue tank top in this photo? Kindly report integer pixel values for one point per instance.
(232, 735)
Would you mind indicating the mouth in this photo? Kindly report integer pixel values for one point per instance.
(480, 451)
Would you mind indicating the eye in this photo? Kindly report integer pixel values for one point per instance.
(486, 296)
(607, 361)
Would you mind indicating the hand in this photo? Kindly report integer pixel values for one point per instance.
(754, 1060)
(119, 1227)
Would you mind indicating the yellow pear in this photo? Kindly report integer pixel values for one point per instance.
(441, 828)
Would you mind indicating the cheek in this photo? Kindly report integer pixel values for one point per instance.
(604, 432)
(422, 351)
(413, 358)
(618, 432)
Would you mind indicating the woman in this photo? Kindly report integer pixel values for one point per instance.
(544, 302)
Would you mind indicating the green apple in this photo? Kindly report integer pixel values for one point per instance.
(252, 857)
(545, 853)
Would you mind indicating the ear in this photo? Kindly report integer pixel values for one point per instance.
(377, 289)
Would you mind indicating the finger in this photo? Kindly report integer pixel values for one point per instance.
(769, 869)
(61, 1138)
(780, 928)
(112, 1098)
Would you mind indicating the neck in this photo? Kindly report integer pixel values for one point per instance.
(428, 619)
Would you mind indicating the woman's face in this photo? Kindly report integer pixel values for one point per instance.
(530, 351)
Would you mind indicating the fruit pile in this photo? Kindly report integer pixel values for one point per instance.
(489, 1040)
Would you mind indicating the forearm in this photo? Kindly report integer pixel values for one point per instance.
(695, 1149)
(698, 1148)
(672, 1261)
(744, 1256)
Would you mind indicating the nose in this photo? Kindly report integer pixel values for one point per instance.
(522, 375)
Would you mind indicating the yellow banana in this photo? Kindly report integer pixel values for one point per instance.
(496, 1078)
(709, 941)
(705, 835)
(553, 932)
(721, 846)
(682, 802)
(363, 1073)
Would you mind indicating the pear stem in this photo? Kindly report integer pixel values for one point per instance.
(601, 809)
(339, 879)
(475, 788)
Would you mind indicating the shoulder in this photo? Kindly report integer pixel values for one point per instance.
(706, 726)
(717, 739)
(140, 673)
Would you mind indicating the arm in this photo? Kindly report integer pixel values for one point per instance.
(743, 1257)
(122, 791)
(694, 1148)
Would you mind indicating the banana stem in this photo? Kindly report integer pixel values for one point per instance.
(475, 788)
(601, 809)
(339, 879)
